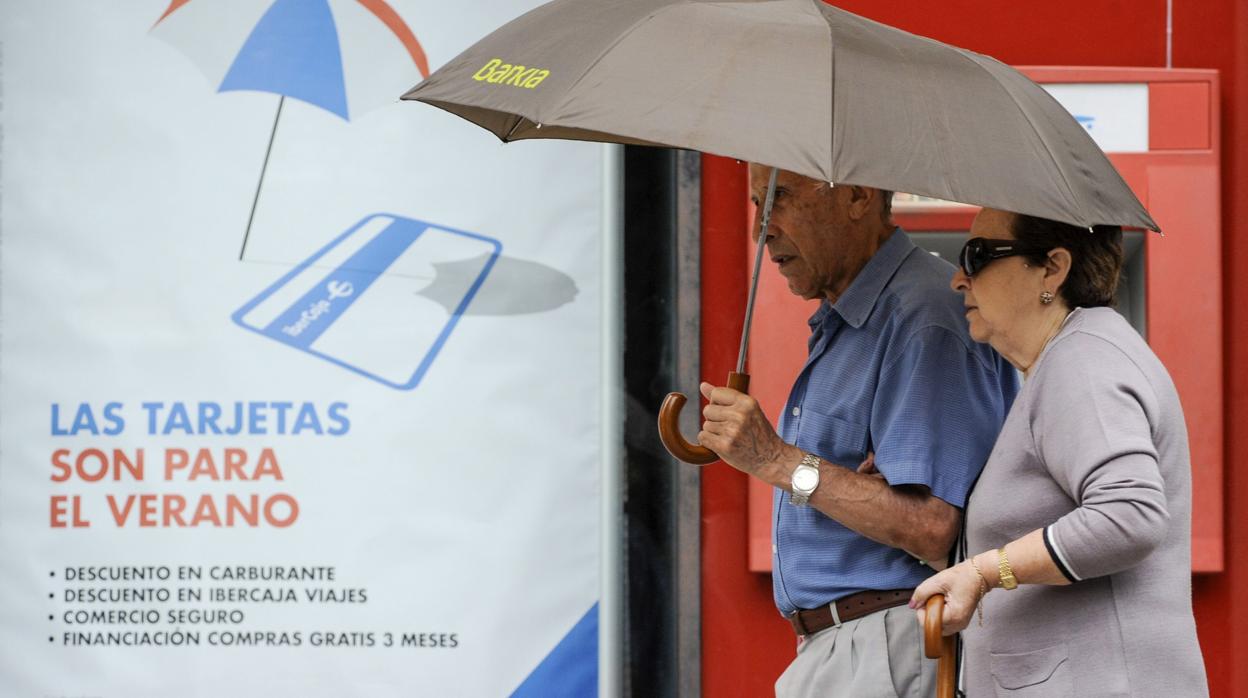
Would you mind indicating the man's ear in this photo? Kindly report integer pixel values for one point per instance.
(860, 201)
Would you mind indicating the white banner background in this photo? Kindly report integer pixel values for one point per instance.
(466, 506)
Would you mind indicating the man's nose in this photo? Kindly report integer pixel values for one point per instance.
(758, 228)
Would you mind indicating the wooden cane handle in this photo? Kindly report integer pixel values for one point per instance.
(932, 627)
(936, 646)
(669, 425)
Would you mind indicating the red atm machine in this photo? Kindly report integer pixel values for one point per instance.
(1160, 129)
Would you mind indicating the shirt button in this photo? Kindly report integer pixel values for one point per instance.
(797, 411)
(773, 549)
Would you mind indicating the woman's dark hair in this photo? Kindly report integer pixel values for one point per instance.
(1095, 257)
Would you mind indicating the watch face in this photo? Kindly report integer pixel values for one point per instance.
(805, 480)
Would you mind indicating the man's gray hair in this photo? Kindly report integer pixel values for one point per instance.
(886, 205)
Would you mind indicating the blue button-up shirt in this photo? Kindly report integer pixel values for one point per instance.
(891, 370)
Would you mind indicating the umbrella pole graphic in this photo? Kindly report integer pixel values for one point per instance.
(260, 184)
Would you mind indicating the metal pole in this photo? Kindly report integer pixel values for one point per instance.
(687, 482)
(1169, 34)
(611, 595)
(758, 264)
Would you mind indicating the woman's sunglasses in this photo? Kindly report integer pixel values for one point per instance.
(977, 253)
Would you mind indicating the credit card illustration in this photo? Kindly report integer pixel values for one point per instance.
(357, 301)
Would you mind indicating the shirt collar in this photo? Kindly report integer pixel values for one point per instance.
(856, 304)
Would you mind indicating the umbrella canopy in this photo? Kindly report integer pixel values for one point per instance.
(795, 84)
(344, 56)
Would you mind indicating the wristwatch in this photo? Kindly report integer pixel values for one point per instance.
(1005, 572)
(805, 480)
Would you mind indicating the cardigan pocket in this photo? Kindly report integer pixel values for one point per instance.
(1043, 672)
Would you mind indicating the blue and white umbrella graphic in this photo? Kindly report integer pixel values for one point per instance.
(344, 56)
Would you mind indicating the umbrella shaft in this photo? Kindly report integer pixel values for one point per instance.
(259, 185)
(758, 265)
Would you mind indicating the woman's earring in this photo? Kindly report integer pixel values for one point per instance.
(1046, 297)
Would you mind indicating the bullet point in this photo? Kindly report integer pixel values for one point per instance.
(51, 595)
(49, 617)
(50, 640)
(52, 574)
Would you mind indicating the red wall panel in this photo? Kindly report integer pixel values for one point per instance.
(1058, 32)
(1174, 123)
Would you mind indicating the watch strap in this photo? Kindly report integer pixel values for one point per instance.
(1005, 572)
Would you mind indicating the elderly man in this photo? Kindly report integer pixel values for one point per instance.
(892, 382)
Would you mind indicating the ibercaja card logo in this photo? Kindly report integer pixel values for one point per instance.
(380, 300)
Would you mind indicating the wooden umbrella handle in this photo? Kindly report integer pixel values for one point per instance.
(669, 425)
(936, 646)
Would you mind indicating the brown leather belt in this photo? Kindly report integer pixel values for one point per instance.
(852, 607)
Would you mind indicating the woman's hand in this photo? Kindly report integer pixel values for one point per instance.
(867, 467)
(961, 587)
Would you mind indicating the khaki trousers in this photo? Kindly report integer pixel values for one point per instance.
(876, 656)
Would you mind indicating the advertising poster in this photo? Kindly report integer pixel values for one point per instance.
(299, 384)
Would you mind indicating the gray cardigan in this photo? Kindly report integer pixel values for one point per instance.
(1095, 452)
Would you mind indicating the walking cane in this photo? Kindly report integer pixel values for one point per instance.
(669, 412)
(943, 649)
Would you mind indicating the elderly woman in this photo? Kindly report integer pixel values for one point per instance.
(1082, 515)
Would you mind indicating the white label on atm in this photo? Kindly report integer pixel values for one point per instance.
(1114, 114)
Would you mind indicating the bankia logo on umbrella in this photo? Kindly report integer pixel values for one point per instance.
(495, 71)
(356, 302)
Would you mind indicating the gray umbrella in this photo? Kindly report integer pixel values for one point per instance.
(796, 84)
